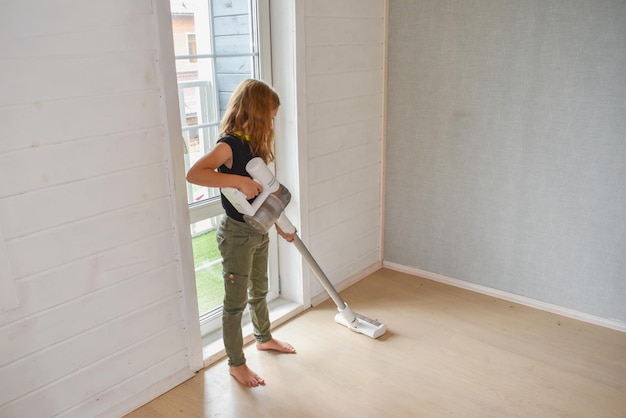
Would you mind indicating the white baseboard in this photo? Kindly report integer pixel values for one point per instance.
(148, 394)
(522, 300)
(344, 284)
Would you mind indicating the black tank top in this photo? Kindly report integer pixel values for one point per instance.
(241, 155)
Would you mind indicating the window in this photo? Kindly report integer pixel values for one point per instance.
(217, 45)
(191, 44)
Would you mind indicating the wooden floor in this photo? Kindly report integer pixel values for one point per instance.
(447, 352)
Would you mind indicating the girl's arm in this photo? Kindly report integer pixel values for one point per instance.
(203, 172)
(288, 237)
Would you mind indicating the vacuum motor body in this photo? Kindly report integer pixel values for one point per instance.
(270, 210)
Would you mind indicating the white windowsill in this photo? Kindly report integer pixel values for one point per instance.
(281, 310)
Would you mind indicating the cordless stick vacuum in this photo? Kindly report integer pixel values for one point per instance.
(267, 209)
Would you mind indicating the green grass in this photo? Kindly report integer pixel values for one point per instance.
(209, 283)
(210, 288)
(205, 248)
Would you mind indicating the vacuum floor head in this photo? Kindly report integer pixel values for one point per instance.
(362, 325)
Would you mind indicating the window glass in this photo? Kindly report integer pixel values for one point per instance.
(216, 46)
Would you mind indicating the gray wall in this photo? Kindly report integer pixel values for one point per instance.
(506, 151)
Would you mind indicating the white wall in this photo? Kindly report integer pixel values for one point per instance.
(88, 212)
(506, 147)
(341, 123)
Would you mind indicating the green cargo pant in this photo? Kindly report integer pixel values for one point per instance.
(245, 254)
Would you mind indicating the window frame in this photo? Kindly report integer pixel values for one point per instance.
(209, 208)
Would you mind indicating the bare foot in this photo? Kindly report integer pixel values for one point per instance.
(246, 377)
(276, 345)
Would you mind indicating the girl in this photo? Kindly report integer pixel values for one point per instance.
(246, 132)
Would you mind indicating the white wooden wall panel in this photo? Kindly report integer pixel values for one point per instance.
(344, 81)
(47, 328)
(328, 191)
(344, 58)
(345, 111)
(353, 258)
(8, 290)
(87, 210)
(330, 140)
(94, 16)
(99, 376)
(339, 80)
(345, 8)
(323, 88)
(346, 207)
(325, 31)
(97, 75)
(44, 367)
(344, 233)
(343, 162)
(109, 403)
(38, 167)
(55, 286)
(344, 267)
(353, 246)
(25, 214)
(44, 34)
(43, 250)
(36, 124)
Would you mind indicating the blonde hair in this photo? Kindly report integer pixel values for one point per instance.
(249, 112)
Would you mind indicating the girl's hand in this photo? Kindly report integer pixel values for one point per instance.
(288, 237)
(249, 187)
